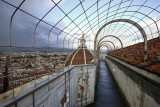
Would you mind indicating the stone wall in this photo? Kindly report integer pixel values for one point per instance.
(140, 88)
(23, 88)
(73, 87)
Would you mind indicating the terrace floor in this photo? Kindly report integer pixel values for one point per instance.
(107, 94)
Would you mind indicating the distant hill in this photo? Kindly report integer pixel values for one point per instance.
(37, 49)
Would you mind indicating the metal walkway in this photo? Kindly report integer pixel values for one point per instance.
(107, 94)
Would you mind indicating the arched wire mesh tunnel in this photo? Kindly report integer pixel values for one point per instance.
(37, 36)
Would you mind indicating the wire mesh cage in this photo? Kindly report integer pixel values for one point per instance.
(37, 36)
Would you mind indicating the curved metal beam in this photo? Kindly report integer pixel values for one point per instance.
(111, 36)
(99, 48)
(103, 46)
(110, 42)
(127, 21)
(106, 45)
(10, 41)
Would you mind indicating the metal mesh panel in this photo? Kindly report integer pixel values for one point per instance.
(48, 30)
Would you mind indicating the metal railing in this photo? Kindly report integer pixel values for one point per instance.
(60, 89)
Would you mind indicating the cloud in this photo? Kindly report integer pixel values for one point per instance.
(23, 29)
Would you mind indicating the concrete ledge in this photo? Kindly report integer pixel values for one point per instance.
(141, 88)
(149, 75)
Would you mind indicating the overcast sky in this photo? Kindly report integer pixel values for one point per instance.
(23, 25)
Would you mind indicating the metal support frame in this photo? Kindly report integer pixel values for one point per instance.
(109, 42)
(111, 36)
(99, 48)
(100, 19)
(127, 21)
(106, 44)
(93, 23)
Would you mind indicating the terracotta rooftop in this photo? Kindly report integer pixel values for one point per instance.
(134, 55)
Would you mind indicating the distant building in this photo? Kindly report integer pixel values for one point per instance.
(5, 82)
(81, 55)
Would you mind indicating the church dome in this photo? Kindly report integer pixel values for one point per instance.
(81, 55)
